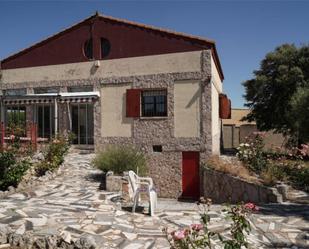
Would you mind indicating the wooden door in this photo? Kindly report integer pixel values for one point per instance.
(190, 175)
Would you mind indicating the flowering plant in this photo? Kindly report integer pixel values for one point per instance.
(251, 206)
(56, 141)
(200, 236)
(53, 155)
(251, 152)
(303, 151)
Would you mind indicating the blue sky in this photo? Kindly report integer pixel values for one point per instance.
(244, 30)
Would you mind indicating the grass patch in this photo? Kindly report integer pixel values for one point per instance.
(232, 167)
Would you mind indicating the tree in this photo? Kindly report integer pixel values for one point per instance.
(300, 114)
(278, 95)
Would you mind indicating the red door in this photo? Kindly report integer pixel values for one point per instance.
(190, 175)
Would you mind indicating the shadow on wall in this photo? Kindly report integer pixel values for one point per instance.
(93, 69)
(124, 118)
(195, 98)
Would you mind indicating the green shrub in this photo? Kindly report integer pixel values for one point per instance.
(56, 149)
(121, 158)
(294, 172)
(300, 178)
(252, 154)
(14, 174)
(288, 165)
(297, 173)
(7, 159)
(11, 169)
(53, 155)
(44, 166)
(273, 173)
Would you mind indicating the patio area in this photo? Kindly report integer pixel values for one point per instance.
(73, 206)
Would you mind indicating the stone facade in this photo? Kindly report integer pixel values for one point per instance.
(165, 167)
(225, 188)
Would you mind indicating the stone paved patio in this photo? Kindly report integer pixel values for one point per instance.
(73, 205)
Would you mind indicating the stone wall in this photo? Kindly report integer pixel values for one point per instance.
(113, 183)
(222, 187)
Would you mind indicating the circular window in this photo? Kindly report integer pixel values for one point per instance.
(88, 50)
(105, 47)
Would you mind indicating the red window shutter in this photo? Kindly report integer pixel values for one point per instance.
(224, 107)
(133, 100)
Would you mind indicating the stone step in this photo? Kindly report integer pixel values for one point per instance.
(82, 149)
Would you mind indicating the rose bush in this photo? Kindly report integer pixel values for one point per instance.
(251, 152)
(53, 155)
(200, 236)
(12, 168)
(272, 166)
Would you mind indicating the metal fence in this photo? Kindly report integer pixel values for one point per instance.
(9, 135)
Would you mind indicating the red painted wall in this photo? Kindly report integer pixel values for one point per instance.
(126, 41)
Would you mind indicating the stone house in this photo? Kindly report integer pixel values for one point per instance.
(112, 81)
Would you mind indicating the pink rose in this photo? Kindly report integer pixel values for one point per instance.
(251, 206)
(179, 235)
(197, 227)
(12, 137)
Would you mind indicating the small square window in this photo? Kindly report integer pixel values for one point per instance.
(157, 148)
(74, 89)
(42, 90)
(154, 103)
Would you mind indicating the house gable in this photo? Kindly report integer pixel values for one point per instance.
(127, 39)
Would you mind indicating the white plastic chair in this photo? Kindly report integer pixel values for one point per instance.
(136, 183)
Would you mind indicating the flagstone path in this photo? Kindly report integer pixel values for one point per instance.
(73, 205)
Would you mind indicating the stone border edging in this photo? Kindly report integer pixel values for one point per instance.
(223, 187)
(25, 185)
(29, 241)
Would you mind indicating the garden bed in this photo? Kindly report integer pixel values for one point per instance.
(20, 169)
(288, 165)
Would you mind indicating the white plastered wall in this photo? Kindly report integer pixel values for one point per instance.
(144, 65)
(114, 122)
(187, 97)
(216, 89)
